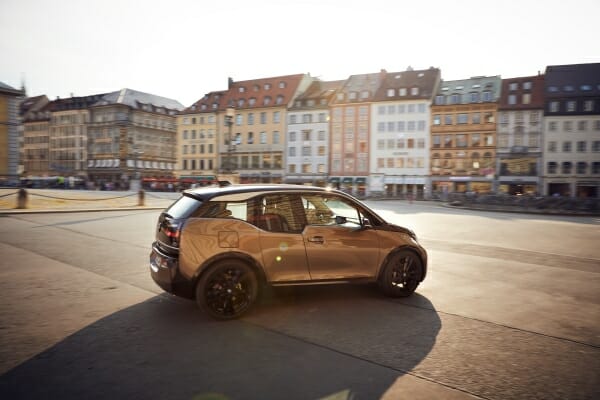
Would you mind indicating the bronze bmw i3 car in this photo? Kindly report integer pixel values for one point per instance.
(221, 245)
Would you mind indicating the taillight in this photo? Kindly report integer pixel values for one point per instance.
(172, 230)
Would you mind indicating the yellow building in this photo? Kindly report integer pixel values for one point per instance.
(463, 135)
(197, 132)
(9, 133)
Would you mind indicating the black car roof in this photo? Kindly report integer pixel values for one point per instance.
(208, 192)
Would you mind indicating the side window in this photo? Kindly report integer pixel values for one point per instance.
(323, 210)
(279, 213)
(222, 209)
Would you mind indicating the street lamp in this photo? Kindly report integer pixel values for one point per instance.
(229, 115)
(135, 183)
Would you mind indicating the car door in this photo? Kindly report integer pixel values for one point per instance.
(280, 219)
(339, 243)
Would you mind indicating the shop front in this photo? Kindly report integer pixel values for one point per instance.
(406, 187)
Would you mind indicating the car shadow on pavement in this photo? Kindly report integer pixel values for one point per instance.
(342, 342)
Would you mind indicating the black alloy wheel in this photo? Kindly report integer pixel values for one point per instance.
(227, 290)
(401, 274)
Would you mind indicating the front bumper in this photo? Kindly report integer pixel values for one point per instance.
(164, 270)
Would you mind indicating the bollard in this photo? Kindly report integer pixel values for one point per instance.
(141, 196)
(22, 198)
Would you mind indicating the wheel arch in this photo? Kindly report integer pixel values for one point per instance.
(233, 256)
(422, 257)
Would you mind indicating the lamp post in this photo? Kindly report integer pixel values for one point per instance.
(229, 115)
(135, 183)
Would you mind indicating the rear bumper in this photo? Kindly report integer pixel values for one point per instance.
(164, 270)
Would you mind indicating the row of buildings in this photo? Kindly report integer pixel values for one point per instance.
(394, 133)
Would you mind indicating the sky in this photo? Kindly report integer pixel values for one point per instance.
(183, 49)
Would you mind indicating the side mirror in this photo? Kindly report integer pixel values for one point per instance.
(339, 220)
(366, 223)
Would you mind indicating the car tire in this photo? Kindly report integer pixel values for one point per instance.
(227, 290)
(401, 274)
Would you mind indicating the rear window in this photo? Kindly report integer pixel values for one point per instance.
(184, 207)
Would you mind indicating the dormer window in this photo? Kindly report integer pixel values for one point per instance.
(242, 89)
(352, 96)
(391, 92)
(364, 94)
(340, 96)
(414, 91)
(402, 92)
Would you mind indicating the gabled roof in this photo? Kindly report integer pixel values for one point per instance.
(360, 88)
(536, 93)
(137, 100)
(73, 103)
(476, 84)
(276, 91)
(32, 104)
(316, 93)
(573, 80)
(7, 89)
(210, 103)
(398, 85)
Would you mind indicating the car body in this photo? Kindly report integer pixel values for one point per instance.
(220, 245)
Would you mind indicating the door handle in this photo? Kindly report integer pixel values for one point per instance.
(317, 239)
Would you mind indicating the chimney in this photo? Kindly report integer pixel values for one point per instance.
(229, 82)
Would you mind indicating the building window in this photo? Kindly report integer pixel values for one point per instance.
(551, 167)
(462, 119)
(292, 168)
(448, 141)
(476, 118)
(581, 146)
(448, 119)
(487, 96)
(571, 106)
(250, 137)
(251, 119)
(512, 99)
(581, 167)
(596, 146)
(596, 167)
(414, 91)
(275, 137)
(306, 151)
(566, 147)
(263, 138)
(461, 140)
(566, 167)
(527, 85)
(263, 117)
(475, 139)
(513, 86)
(292, 119)
(436, 141)
(292, 152)
(588, 105)
(581, 125)
(474, 97)
(402, 92)
(391, 92)
(527, 98)
(568, 125)
(439, 100)
(437, 119)
(552, 147)
(552, 126)
(554, 106)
